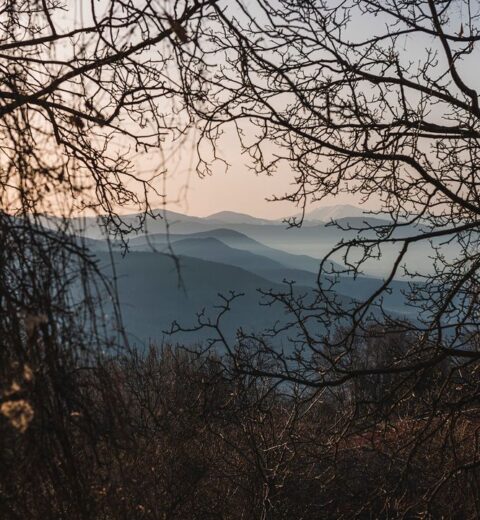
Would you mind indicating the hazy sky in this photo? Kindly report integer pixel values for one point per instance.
(233, 188)
(238, 188)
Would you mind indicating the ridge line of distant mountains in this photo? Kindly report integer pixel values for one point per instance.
(229, 251)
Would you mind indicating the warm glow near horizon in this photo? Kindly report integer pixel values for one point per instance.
(238, 190)
(233, 188)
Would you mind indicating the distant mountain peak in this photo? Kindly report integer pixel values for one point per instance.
(233, 217)
(334, 212)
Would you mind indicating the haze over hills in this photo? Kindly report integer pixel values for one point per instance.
(151, 297)
(231, 251)
(312, 241)
(233, 239)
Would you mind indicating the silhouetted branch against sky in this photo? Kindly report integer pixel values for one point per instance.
(367, 99)
(104, 104)
(373, 99)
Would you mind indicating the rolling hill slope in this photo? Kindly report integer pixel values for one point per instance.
(151, 297)
(233, 239)
(214, 250)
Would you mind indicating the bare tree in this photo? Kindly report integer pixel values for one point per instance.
(79, 101)
(363, 401)
(364, 112)
(377, 99)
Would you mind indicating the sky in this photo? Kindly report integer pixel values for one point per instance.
(236, 188)
(239, 189)
(230, 188)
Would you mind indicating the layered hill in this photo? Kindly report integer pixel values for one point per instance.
(153, 294)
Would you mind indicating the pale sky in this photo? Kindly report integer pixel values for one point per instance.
(239, 189)
(233, 188)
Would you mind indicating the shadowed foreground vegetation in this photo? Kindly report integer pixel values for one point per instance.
(172, 434)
